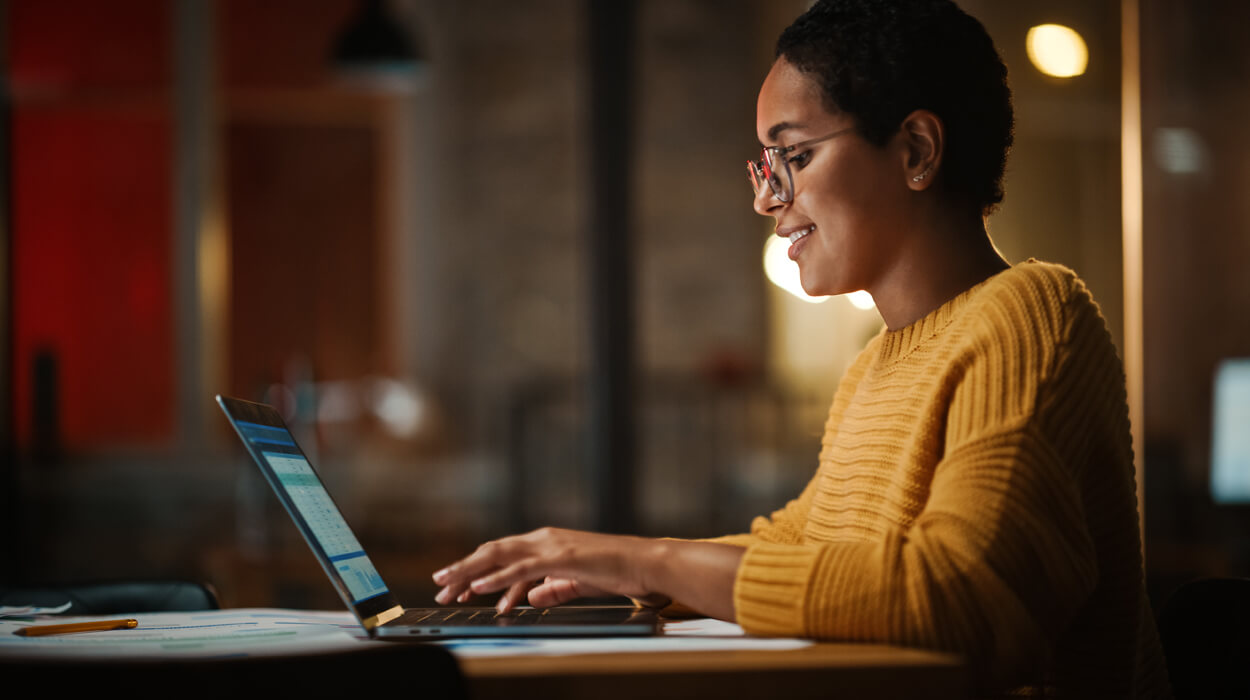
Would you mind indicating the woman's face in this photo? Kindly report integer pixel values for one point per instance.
(852, 192)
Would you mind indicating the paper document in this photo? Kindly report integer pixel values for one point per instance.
(31, 610)
(703, 627)
(243, 632)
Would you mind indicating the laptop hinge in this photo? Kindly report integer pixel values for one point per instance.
(383, 617)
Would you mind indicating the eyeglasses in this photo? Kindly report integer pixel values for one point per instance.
(773, 167)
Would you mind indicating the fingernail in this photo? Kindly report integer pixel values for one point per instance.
(440, 575)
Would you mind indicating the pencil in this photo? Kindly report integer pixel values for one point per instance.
(70, 628)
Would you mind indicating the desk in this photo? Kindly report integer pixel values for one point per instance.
(818, 671)
(261, 641)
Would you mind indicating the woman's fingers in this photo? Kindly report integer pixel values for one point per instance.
(453, 594)
(590, 564)
(458, 578)
(524, 571)
(513, 596)
(486, 558)
(493, 556)
(557, 591)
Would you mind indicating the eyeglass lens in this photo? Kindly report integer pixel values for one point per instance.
(762, 171)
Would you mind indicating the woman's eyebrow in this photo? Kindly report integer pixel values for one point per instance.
(779, 127)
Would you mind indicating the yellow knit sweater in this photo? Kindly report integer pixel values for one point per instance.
(975, 494)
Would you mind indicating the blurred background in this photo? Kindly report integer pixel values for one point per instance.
(497, 265)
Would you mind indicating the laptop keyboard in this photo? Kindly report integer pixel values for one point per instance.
(469, 617)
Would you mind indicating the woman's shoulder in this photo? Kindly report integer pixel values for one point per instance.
(1034, 293)
(1045, 282)
(1032, 309)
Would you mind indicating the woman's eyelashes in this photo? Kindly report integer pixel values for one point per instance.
(798, 160)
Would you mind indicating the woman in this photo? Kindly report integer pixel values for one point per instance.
(975, 491)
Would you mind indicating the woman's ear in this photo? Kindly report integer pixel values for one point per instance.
(924, 137)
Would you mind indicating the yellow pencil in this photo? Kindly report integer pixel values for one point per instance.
(72, 627)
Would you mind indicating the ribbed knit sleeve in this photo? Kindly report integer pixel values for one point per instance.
(786, 525)
(976, 496)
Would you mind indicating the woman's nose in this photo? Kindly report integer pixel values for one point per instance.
(766, 202)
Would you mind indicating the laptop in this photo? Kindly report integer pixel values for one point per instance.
(359, 584)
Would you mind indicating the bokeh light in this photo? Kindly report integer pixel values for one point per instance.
(1057, 50)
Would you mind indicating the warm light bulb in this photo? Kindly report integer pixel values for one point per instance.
(1057, 50)
(784, 272)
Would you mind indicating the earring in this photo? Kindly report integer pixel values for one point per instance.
(922, 176)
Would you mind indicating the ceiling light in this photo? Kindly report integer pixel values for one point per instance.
(1057, 50)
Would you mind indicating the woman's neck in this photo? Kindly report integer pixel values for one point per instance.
(940, 262)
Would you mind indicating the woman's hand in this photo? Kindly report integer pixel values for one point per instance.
(553, 566)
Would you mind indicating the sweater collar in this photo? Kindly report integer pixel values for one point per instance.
(895, 345)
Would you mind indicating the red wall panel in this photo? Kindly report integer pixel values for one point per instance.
(115, 45)
(92, 216)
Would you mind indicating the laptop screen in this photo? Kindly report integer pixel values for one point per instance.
(305, 497)
(323, 521)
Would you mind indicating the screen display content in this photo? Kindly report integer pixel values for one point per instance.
(325, 523)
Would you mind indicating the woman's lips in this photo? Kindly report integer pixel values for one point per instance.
(796, 241)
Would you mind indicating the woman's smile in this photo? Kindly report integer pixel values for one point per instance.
(796, 236)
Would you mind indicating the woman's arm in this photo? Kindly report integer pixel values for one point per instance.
(552, 566)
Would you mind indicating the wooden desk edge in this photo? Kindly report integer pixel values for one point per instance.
(815, 657)
(818, 671)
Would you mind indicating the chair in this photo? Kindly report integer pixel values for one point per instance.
(1205, 631)
(111, 598)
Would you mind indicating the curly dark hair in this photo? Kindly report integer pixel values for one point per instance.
(879, 60)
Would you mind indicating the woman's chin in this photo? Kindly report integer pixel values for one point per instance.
(815, 288)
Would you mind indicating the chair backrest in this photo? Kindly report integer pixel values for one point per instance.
(1205, 630)
(109, 598)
